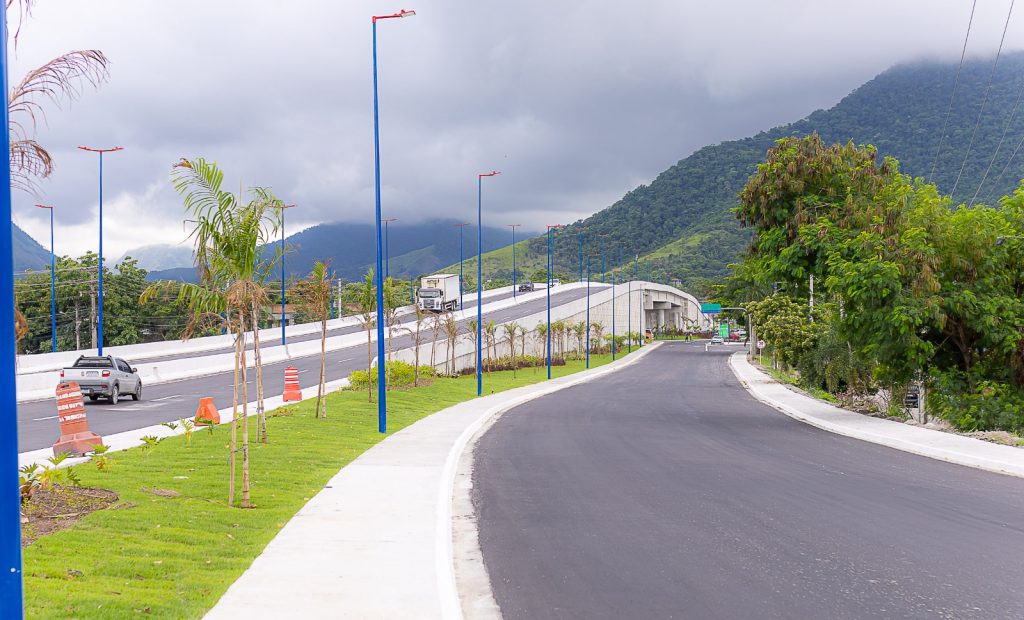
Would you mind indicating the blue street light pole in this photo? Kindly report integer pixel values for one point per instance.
(382, 407)
(387, 247)
(613, 312)
(588, 310)
(550, 228)
(636, 275)
(99, 268)
(53, 286)
(629, 312)
(479, 277)
(513, 227)
(10, 496)
(282, 208)
(603, 272)
(461, 226)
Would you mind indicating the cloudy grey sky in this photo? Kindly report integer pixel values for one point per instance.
(575, 101)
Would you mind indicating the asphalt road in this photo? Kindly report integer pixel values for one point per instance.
(665, 491)
(167, 402)
(276, 340)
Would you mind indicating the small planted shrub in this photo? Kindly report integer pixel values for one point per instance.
(399, 374)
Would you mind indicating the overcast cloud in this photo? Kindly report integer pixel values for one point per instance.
(576, 102)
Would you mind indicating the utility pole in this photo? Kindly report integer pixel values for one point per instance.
(92, 315)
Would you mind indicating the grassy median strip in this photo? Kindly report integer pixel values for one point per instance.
(171, 546)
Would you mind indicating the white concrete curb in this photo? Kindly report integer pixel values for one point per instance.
(927, 442)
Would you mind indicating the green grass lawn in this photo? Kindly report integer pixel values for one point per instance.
(173, 556)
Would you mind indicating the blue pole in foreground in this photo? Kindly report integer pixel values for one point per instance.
(460, 266)
(282, 277)
(588, 312)
(613, 312)
(10, 498)
(99, 269)
(549, 302)
(382, 407)
(53, 290)
(479, 284)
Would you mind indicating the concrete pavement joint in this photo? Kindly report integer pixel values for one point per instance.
(463, 557)
(956, 449)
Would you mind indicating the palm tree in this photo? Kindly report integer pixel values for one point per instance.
(598, 330)
(417, 341)
(471, 330)
(435, 329)
(579, 331)
(228, 233)
(451, 329)
(366, 301)
(490, 334)
(540, 332)
(524, 331)
(314, 296)
(511, 330)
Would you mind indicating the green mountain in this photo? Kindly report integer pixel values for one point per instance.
(416, 249)
(682, 222)
(28, 254)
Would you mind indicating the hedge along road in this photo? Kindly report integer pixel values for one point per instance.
(167, 402)
(665, 490)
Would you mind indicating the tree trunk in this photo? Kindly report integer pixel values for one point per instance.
(321, 395)
(261, 416)
(369, 362)
(234, 421)
(246, 501)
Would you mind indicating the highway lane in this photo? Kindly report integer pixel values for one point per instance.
(276, 339)
(165, 402)
(665, 491)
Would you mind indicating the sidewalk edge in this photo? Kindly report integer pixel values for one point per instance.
(920, 449)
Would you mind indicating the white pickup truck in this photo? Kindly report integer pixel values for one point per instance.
(106, 376)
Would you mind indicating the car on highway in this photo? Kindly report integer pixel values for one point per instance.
(104, 377)
(526, 287)
(717, 340)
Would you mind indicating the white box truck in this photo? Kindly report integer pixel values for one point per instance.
(439, 292)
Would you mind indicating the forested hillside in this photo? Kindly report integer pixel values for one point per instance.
(683, 221)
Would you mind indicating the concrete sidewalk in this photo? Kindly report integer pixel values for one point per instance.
(376, 542)
(917, 440)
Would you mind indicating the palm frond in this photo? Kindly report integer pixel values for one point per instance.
(61, 80)
(29, 160)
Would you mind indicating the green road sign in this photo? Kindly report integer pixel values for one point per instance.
(711, 308)
(723, 331)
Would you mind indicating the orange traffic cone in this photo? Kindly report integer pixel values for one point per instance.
(75, 436)
(207, 414)
(292, 391)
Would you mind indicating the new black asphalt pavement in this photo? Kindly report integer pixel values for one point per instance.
(664, 490)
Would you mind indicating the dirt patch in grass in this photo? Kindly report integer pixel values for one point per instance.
(58, 508)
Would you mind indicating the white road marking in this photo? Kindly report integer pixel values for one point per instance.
(52, 417)
(156, 400)
(347, 359)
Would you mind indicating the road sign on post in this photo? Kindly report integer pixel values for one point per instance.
(711, 308)
(723, 331)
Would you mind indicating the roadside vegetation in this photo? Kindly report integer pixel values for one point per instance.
(170, 545)
(909, 289)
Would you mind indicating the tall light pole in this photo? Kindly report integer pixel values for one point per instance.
(53, 285)
(588, 308)
(282, 208)
(99, 268)
(387, 247)
(461, 226)
(10, 504)
(479, 277)
(636, 275)
(603, 237)
(614, 274)
(551, 227)
(513, 227)
(629, 309)
(382, 407)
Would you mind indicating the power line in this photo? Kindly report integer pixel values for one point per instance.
(988, 91)
(999, 145)
(956, 83)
